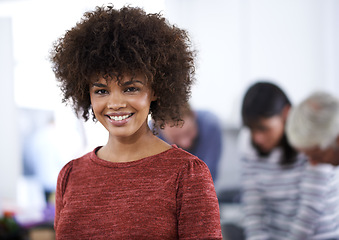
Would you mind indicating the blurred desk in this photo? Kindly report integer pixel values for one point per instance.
(43, 232)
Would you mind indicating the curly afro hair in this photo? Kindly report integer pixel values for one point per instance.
(108, 41)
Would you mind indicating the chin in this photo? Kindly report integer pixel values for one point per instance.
(262, 151)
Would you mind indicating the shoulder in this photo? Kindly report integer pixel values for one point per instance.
(197, 201)
(181, 160)
(183, 157)
(189, 165)
(63, 176)
(69, 167)
(207, 117)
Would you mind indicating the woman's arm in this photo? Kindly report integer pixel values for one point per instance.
(60, 189)
(197, 204)
(314, 195)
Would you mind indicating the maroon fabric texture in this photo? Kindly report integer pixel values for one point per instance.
(166, 196)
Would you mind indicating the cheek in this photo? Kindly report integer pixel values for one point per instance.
(275, 136)
(94, 105)
(142, 102)
(92, 100)
(97, 106)
(277, 131)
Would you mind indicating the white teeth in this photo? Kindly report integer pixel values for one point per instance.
(119, 118)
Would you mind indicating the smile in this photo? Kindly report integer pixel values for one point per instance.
(120, 118)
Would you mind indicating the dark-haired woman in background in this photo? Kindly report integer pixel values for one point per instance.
(273, 171)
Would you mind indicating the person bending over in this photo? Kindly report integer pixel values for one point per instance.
(272, 169)
(201, 135)
(313, 128)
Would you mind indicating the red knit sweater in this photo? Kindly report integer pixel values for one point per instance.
(166, 196)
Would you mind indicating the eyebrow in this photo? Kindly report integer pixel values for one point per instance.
(99, 85)
(131, 82)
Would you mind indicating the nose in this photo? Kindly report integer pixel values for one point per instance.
(116, 101)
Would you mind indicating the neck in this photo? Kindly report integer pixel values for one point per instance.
(141, 145)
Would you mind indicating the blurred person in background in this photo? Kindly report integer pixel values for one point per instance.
(271, 168)
(46, 150)
(313, 128)
(200, 134)
(43, 156)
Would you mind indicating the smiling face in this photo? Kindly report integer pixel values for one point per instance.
(122, 106)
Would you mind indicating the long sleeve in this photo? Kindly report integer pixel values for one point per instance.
(197, 203)
(315, 193)
(290, 203)
(60, 189)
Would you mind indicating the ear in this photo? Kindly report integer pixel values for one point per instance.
(153, 97)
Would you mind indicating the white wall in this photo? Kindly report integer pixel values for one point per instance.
(10, 162)
(292, 42)
(216, 31)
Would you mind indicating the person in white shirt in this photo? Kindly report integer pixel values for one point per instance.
(313, 128)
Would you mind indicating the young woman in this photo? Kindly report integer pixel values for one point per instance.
(123, 65)
(271, 167)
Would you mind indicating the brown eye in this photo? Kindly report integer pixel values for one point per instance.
(132, 89)
(101, 91)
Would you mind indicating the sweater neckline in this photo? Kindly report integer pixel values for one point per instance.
(106, 163)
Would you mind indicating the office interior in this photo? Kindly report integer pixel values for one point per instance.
(293, 43)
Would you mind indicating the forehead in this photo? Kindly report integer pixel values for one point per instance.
(267, 121)
(120, 78)
(188, 125)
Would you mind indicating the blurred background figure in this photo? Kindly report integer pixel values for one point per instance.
(313, 128)
(264, 111)
(201, 135)
(272, 169)
(43, 157)
(45, 150)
